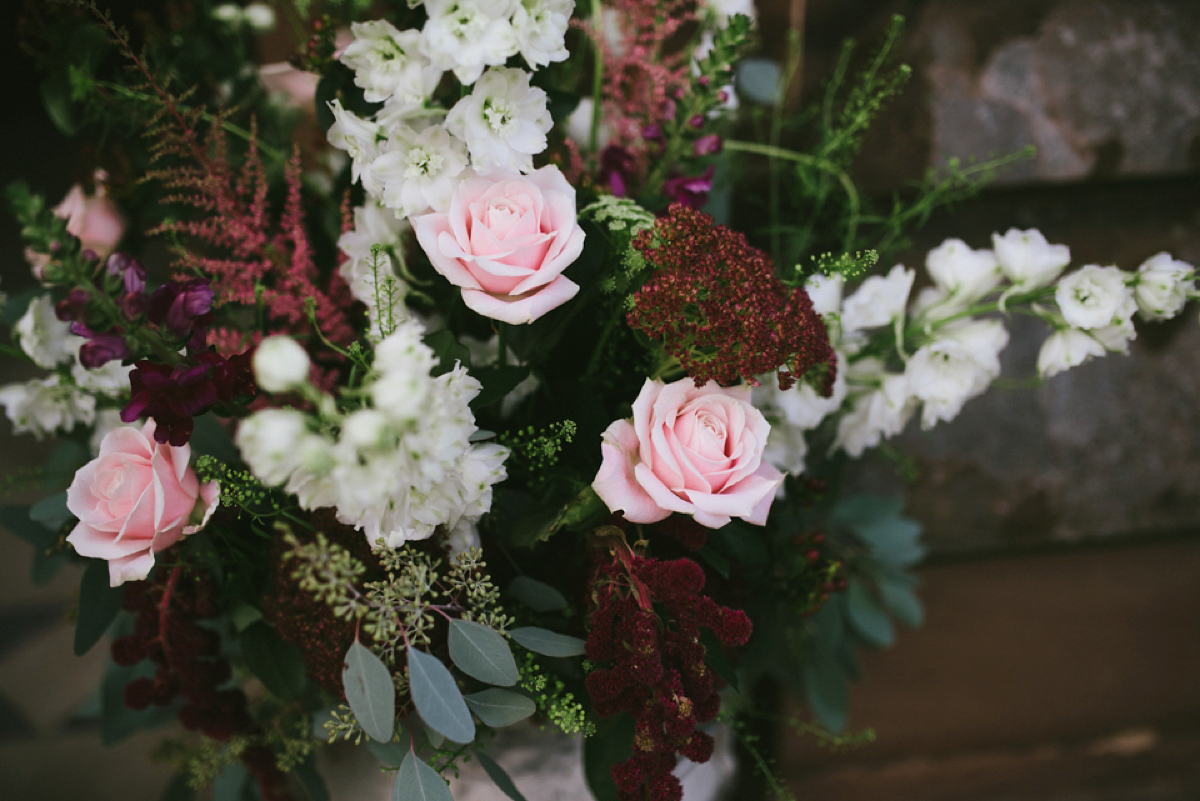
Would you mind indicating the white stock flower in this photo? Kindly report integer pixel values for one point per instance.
(111, 379)
(825, 291)
(44, 405)
(963, 273)
(422, 170)
(280, 364)
(388, 62)
(1066, 348)
(1028, 259)
(1095, 297)
(949, 371)
(875, 415)
(541, 29)
(46, 339)
(1162, 286)
(878, 301)
(504, 121)
(268, 442)
(468, 35)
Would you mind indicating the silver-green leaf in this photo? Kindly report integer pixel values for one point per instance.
(498, 708)
(536, 595)
(370, 692)
(438, 700)
(546, 642)
(482, 653)
(416, 781)
(498, 775)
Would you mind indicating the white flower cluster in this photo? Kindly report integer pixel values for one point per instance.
(937, 352)
(412, 154)
(369, 269)
(396, 468)
(57, 403)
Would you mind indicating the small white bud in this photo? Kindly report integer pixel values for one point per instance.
(259, 16)
(280, 364)
(367, 430)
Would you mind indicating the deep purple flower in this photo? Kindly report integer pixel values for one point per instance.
(130, 269)
(697, 121)
(691, 191)
(707, 145)
(174, 395)
(616, 167)
(73, 307)
(101, 349)
(180, 306)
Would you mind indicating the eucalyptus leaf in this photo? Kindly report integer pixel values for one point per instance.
(546, 642)
(867, 615)
(499, 708)
(416, 781)
(99, 604)
(310, 779)
(826, 691)
(482, 653)
(370, 692)
(17, 520)
(435, 738)
(279, 664)
(390, 754)
(178, 789)
(499, 776)
(51, 512)
(66, 458)
(758, 80)
(230, 782)
(538, 596)
(902, 602)
(437, 698)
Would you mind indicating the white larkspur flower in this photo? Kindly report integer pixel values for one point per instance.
(468, 35)
(949, 371)
(361, 139)
(267, 441)
(388, 62)
(280, 364)
(45, 405)
(504, 121)
(876, 415)
(1066, 348)
(46, 339)
(422, 170)
(541, 28)
(111, 378)
(961, 272)
(367, 277)
(1163, 286)
(1117, 336)
(1027, 259)
(825, 291)
(1095, 297)
(878, 301)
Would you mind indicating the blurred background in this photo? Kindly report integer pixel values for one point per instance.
(1058, 661)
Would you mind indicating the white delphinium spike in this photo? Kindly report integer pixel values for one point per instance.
(468, 35)
(362, 140)
(280, 364)
(962, 273)
(878, 301)
(1066, 348)
(504, 121)
(541, 29)
(876, 414)
(45, 405)
(388, 62)
(422, 170)
(46, 339)
(1027, 259)
(954, 368)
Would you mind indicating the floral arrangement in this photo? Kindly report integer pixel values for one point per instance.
(446, 406)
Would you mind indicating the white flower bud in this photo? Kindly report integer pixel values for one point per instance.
(1028, 259)
(367, 430)
(280, 364)
(267, 441)
(1162, 287)
(962, 272)
(259, 16)
(1066, 348)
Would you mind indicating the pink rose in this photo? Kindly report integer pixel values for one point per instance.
(95, 219)
(135, 499)
(505, 241)
(694, 450)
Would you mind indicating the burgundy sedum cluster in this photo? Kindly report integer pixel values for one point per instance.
(656, 667)
(716, 305)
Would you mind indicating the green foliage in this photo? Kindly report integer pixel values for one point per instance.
(482, 653)
(538, 596)
(847, 265)
(499, 708)
(370, 692)
(535, 452)
(278, 664)
(99, 604)
(553, 700)
(239, 488)
(498, 776)
(437, 697)
(417, 781)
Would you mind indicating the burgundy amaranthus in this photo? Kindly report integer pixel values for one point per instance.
(716, 305)
(655, 666)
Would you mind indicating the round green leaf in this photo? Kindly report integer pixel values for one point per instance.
(482, 653)
(370, 692)
(437, 698)
(499, 708)
(536, 595)
(546, 642)
(416, 781)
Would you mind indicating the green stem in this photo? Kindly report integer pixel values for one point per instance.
(598, 351)
(502, 345)
(597, 74)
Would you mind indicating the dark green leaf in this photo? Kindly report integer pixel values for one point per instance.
(499, 708)
(211, 438)
(56, 97)
(370, 692)
(758, 80)
(244, 616)
(825, 687)
(498, 775)
(310, 779)
(51, 512)
(66, 458)
(859, 510)
(715, 658)
(867, 615)
(46, 566)
(547, 643)
(416, 781)
(437, 697)
(497, 382)
(448, 350)
(537, 596)
(178, 789)
(612, 743)
(715, 560)
(279, 664)
(17, 520)
(231, 782)
(390, 754)
(482, 653)
(902, 602)
(98, 605)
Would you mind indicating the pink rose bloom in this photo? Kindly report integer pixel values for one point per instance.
(505, 241)
(95, 219)
(694, 450)
(135, 499)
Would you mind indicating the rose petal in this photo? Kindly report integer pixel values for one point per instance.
(91, 542)
(521, 309)
(658, 491)
(130, 568)
(615, 483)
